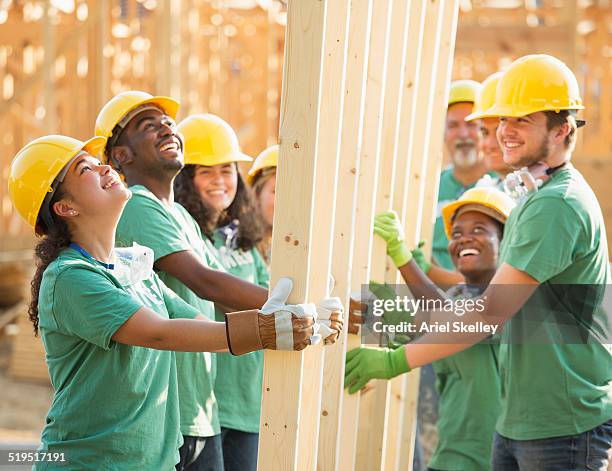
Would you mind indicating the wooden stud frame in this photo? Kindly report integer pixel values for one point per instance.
(350, 83)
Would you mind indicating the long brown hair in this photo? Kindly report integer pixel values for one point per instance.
(56, 238)
(242, 209)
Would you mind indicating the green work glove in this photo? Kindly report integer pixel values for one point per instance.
(384, 291)
(387, 225)
(366, 363)
(419, 258)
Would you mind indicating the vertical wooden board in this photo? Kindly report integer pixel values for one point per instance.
(425, 189)
(440, 100)
(380, 405)
(325, 200)
(338, 434)
(282, 376)
(399, 392)
(419, 141)
(411, 201)
(409, 423)
(371, 434)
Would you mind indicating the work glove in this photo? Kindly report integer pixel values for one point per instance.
(276, 326)
(387, 225)
(366, 363)
(329, 319)
(419, 257)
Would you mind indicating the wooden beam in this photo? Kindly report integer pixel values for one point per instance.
(398, 386)
(347, 410)
(372, 423)
(282, 376)
(412, 200)
(325, 199)
(382, 422)
(436, 147)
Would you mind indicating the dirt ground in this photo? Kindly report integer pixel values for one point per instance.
(24, 404)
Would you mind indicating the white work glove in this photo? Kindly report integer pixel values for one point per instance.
(276, 326)
(275, 305)
(329, 314)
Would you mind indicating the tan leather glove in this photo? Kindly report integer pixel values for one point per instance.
(276, 326)
(329, 318)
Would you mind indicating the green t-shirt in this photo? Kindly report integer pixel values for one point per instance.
(551, 387)
(167, 230)
(469, 387)
(239, 379)
(449, 190)
(115, 406)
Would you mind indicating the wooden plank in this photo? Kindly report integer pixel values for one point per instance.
(282, 376)
(383, 419)
(436, 149)
(328, 147)
(440, 27)
(339, 437)
(411, 202)
(398, 395)
(371, 433)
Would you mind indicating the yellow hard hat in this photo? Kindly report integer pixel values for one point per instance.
(537, 82)
(486, 200)
(117, 110)
(463, 91)
(485, 98)
(268, 158)
(209, 140)
(37, 166)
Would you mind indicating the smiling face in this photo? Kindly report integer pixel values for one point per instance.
(149, 145)
(216, 184)
(94, 193)
(525, 140)
(474, 246)
(489, 147)
(461, 136)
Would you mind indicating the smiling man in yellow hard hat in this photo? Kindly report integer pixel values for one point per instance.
(548, 292)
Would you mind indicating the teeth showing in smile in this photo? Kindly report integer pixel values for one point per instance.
(512, 145)
(169, 146)
(465, 252)
(109, 184)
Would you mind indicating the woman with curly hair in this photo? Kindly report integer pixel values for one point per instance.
(109, 325)
(213, 191)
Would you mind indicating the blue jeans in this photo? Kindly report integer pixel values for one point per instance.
(591, 450)
(200, 454)
(239, 450)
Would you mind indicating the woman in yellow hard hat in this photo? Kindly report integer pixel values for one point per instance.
(211, 188)
(469, 380)
(107, 322)
(262, 178)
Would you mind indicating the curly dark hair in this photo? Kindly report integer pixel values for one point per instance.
(242, 209)
(56, 238)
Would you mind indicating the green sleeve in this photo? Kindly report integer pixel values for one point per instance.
(88, 305)
(261, 269)
(177, 308)
(144, 221)
(544, 238)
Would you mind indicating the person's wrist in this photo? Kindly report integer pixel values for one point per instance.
(399, 253)
(397, 361)
(419, 258)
